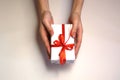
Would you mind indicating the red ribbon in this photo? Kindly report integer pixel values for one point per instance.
(61, 43)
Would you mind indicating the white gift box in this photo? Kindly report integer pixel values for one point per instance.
(55, 50)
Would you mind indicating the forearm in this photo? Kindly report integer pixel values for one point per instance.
(43, 6)
(77, 6)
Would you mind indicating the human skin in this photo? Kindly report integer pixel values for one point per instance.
(46, 20)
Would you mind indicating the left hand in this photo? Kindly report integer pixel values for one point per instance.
(76, 31)
(46, 30)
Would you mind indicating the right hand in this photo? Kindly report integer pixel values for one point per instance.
(77, 30)
(46, 30)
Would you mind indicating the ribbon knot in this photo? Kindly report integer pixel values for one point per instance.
(61, 43)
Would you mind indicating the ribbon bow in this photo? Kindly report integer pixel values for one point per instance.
(61, 43)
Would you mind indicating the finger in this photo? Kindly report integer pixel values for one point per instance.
(74, 29)
(79, 39)
(44, 37)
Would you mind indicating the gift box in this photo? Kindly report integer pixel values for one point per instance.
(62, 44)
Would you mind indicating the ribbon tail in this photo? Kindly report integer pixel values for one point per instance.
(62, 56)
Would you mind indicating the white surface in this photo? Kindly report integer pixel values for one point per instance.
(55, 51)
(22, 58)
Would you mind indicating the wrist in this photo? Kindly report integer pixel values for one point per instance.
(76, 10)
(75, 13)
(45, 14)
(44, 11)
(43, 6)
(77, 6)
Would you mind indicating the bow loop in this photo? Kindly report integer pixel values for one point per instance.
(57, 43)
(69, 46)
(61, 38)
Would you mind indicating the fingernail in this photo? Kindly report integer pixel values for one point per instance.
(73, 35)
(49, 57)
(52, 33)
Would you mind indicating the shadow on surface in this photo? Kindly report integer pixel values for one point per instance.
(49, 66)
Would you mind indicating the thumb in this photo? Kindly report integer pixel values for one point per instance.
(48, 27)
(74, 30)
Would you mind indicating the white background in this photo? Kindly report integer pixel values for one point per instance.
(23, 57)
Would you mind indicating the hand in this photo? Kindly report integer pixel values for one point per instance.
(76, 31)
(45, 29)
